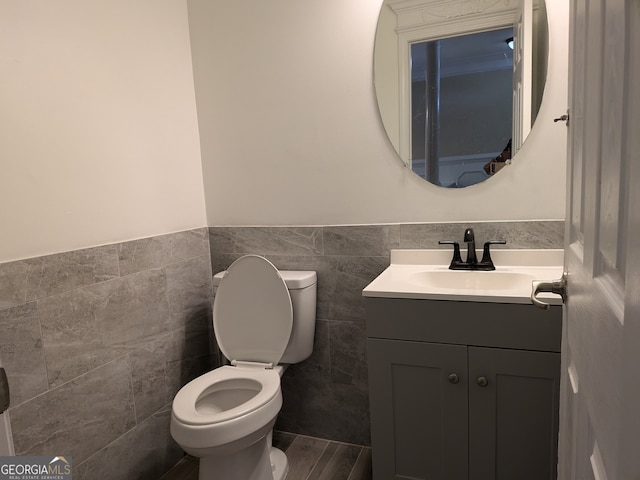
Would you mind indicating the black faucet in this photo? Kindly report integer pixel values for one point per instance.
(470, 240)
(472, 260)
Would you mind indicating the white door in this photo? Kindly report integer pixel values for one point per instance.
(600, 397)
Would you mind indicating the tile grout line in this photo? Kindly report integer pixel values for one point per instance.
(355, 463)
(327, 440)
(319, 457)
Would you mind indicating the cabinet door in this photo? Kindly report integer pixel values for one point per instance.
(513, 419)
(418, 414)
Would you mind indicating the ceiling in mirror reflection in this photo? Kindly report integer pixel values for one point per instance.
(456, 101)
(466, 54)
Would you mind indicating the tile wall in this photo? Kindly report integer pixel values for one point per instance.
(326, 396)
(96, 342)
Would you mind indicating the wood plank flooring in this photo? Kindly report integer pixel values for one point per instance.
(309, 459)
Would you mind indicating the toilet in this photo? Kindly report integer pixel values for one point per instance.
(263, 320)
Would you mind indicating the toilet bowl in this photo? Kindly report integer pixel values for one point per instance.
(230, 404)
(225, 416)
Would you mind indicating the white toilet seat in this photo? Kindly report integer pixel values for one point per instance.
(198, 433)
(186, 408)
(252, 312)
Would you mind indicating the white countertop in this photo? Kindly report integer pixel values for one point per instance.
(410, 276)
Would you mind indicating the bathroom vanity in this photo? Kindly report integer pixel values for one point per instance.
(462, 386)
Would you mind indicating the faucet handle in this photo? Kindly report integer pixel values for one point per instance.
(486, 254)
(457, 258)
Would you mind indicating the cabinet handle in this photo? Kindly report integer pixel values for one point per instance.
(453, 378)
(482, 381)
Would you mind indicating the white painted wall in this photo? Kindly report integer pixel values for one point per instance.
(99, 140)
(98, 129)
(291, 134)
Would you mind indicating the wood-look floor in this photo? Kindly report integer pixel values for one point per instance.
(309, 459)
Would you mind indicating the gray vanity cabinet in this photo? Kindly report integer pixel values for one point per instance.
(462, 390)
(419, 420)
(513, 420)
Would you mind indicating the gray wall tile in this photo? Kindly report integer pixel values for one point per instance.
(325, 409)
(181, 372)
(530, 234)
(189, 244)
(122, 328)
(222, 239)
(148, 365)
(145, 452)
(62, 272)
(189, 289)
(21, 352)
(367, 240)
(351, 275)
(78, 418)
(147, 253)
(87, 327)
(143, 254)
(267, 240)
(316, 371)
(348, 353)
(13, 283)
(189, 354)
(70, 335)
(133, 309)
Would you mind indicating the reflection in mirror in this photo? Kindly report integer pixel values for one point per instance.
(460, 106)
(457, 99)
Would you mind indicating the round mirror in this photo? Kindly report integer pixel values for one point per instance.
(459, 83)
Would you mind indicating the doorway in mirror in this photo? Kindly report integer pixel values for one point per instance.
(461, 106)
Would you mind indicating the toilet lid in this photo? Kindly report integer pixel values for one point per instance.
(252, 312)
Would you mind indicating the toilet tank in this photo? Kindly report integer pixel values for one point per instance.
(302, 285)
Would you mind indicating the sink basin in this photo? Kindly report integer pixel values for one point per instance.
(473, 280)
(425, 274)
